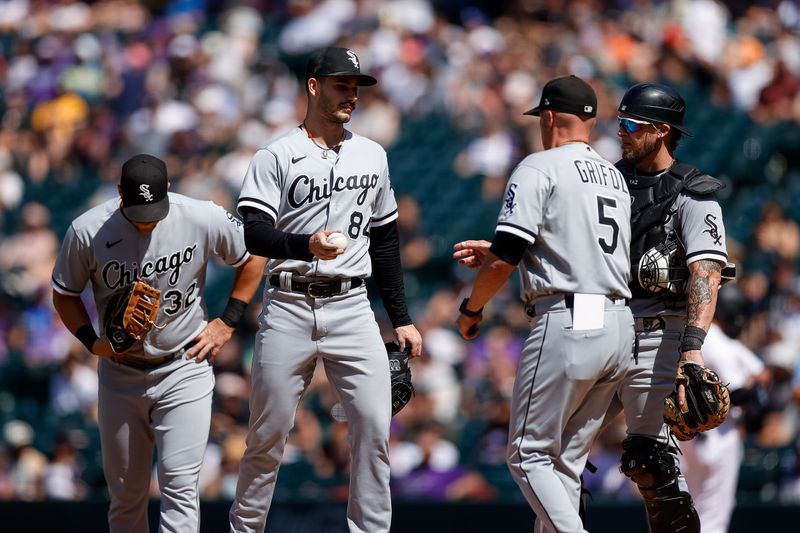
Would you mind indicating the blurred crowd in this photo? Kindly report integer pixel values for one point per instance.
(203, 84)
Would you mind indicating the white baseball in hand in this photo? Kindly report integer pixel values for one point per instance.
(337, 239)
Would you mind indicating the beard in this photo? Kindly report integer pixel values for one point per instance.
(332, 110)
(635, 153)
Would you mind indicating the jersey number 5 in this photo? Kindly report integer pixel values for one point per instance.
(605, 220)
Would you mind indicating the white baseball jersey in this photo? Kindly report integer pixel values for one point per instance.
(712, 460)
(306, 193)
(574, 208)
(104, 248)
(697, 220)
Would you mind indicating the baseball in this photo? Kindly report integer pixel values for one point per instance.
(338, 240)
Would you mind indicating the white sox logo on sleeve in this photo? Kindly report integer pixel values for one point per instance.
(509, 204)
(713, 229)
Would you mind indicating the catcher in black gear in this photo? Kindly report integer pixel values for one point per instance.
(402, 388)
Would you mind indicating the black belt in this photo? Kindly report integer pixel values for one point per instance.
(149, 363)
(318, 287)
(569, 303)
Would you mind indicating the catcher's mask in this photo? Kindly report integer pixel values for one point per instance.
(663, 267)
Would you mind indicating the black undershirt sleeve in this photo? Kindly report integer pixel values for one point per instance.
(262, 238)
(508, 247)
(384, 251)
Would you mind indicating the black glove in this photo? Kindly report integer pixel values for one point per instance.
(402, 389)
(707, 401)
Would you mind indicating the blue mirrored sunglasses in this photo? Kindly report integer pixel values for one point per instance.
(631, 125)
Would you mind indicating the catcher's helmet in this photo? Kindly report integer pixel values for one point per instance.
(657, 103)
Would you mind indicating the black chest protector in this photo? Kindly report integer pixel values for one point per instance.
(652, 205)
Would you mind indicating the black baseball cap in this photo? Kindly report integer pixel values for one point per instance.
(143, 187)
(568, 94)
(334, 61)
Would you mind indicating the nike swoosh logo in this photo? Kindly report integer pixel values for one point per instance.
(110, 244)
(296, 159)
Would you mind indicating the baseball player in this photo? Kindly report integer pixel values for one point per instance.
(677, 255)
(712, 459)
(566, 222)
(318, 179)
(153, 393)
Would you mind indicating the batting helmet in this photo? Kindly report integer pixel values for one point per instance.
(656, 103)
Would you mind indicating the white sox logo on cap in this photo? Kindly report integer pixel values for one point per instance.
(352, 56)
(146, 194)
(143, 188)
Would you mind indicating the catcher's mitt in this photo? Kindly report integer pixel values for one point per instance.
(130, 314)
(707, 401)
(402, 389)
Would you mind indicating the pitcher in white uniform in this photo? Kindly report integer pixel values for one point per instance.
(317, 179)
(566, 223)
(156, 395)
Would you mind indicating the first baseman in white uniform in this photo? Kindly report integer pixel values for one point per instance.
(566, 222)
(317, 179)
(712, 460)
(155, 394)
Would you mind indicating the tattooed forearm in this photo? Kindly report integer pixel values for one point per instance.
(704, 279)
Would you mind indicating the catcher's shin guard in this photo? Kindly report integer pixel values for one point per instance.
(654, 468)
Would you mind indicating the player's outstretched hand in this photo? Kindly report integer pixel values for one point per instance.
(321, 248)
(471, 253)
(408, 335)
(210, 340)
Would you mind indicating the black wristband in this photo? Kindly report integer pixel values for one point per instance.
(233, 312)
(87, 336)
(466, 312)
(692, 339)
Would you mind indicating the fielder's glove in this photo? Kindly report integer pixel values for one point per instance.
(707, 402)
(130, 314)
(402, 389)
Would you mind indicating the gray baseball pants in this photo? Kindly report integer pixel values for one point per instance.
(295, 331)
(650, 379)
(565, 382)
(169, 406)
